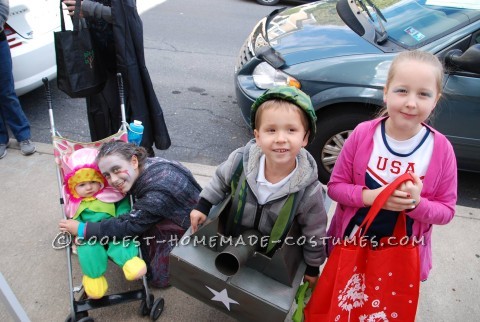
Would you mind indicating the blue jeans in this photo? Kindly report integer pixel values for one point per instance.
(11, 112)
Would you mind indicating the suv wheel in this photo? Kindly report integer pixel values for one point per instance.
(332, 131)
(268, 2)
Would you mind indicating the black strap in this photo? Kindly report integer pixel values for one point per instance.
(62, 20)
(76, 16)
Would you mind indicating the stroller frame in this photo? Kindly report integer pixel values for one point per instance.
(79, 308)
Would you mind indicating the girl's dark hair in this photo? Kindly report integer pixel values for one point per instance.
(125, 150)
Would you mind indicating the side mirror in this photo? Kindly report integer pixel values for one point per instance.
(468, 61)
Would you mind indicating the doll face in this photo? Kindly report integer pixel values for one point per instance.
(87, 188)
(119, 172)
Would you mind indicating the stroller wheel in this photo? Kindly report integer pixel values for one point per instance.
(157, 309)
(87, 319)
(80, 316)
(144, 309)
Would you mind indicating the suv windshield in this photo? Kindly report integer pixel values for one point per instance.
(407, 23)
(413, 23)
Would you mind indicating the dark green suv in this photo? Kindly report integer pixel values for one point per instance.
(339, 53)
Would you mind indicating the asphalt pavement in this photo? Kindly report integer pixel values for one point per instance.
(38, 275)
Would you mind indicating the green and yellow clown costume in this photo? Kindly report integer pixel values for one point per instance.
(105, 204)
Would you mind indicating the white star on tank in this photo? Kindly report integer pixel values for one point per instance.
(222, 297)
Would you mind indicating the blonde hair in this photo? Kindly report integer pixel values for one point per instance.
(276, 104)
(419, 56)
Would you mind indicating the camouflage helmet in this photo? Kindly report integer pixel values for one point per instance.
(290, 94)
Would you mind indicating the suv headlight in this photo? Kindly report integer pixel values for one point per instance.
(266, 77)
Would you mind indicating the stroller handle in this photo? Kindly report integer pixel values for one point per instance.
(48, 96)
(122, 100)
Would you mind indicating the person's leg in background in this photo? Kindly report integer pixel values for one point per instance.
(11, 113)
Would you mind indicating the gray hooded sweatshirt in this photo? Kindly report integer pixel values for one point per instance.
(311, 215)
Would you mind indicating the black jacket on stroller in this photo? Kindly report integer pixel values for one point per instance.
(141, 101)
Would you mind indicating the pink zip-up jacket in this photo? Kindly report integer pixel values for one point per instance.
(438, 196)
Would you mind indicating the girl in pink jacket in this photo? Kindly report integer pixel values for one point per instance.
(380, 150)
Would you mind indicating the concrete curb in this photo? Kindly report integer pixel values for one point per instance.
(43, 148)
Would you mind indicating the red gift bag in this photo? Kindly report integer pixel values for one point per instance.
(364, 283)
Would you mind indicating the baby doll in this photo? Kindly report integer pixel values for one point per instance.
(89, 199)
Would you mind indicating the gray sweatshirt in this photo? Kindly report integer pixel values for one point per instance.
(96, 10)
(311, 214)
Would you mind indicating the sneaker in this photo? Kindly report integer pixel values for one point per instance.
(27, 147)
(3, 149)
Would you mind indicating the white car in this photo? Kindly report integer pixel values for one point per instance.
(29, 30)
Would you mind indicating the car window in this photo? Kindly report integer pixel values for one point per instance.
(412, 23)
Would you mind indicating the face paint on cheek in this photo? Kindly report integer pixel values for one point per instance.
(126, 172)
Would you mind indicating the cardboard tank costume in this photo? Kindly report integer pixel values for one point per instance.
(106, 203)
(239, 272)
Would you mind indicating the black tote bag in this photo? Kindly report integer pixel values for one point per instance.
(79, 69)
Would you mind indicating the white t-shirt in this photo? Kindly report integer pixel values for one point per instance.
(391, 158)
(265, 188)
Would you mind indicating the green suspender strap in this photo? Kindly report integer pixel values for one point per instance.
(238, 199)
(239, 195)
(283, 222)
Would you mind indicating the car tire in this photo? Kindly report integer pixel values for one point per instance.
(268, 2)
(332, 131)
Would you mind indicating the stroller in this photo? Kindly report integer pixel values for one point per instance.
(79, 307)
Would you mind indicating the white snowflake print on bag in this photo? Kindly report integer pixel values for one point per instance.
(353, 295)
(375, 317)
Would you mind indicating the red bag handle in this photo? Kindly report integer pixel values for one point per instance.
(400, 229)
